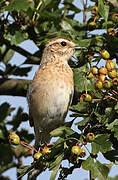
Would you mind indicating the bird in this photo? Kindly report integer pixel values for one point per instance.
(51, 91)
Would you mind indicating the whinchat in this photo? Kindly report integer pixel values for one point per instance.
(51, 91)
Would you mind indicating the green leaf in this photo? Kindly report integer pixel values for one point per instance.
(111, 155)
(65, 25)
(46, 2)
(24, 170)
(80, 107)
(83, 42)
(83, 123)
(101, 144)
(110, 126)
(114, 127)
(20, 116)
(55, 166)
(5, 111)
(116, 131)
(26, 135)
(8, 56)
(71, 7)
(17, 37)
(103, 9)
(61, 131)
(6, 154)
(112, 178)
(1, 134)
(21, 5)
(96, 43)
(81, 82)
(97, 169)
(17, 71)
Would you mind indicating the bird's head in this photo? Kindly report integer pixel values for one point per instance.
(60, 49)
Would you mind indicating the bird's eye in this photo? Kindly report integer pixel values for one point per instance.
(63, 43)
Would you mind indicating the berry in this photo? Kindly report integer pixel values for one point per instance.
(90, 137)
(94, 10)
(90, 75)
(86, 97)
(110, 65)
(83, 153)
(107, 84)
(37, 155)
(46, 150)
(76, 150)
(111, 31)
(112, 74)
(94, 70)
(102, 77)
(115, 17)
(14, 139)
(98, 84)
(92, 24)
(105, 54)
(115, 81)
(103, 70)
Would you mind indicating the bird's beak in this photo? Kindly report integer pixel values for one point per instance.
(80, 48)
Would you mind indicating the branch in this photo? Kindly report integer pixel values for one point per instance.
(8, 166)
(18, 87)
(14, 87)
(20, 50)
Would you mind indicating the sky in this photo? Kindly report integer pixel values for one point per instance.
(21, 101)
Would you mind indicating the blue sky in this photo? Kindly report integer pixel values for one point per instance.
(20, 101)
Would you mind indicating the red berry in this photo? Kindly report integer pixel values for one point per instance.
(95, 70)
(99, 84)
(102, 77)
(94, 10)
(110, 65)
(107, 84)
(115, 17)
(115, 81)
(111, 31)
(83, 153)
(86, 97)
(112, 74)
(103, 70)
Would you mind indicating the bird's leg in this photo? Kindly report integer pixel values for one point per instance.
(38, 142)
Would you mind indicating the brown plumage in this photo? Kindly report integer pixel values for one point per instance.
(51, 91)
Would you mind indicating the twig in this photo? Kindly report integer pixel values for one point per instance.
(84, 11)
(19, 50)
(90, 175)
(14, 87)
(28, 146)
(6, 167)
(108, 96)
(19, 165)
(114, 92)
(35, 13)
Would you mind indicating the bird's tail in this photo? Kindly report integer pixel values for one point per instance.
(42, 138)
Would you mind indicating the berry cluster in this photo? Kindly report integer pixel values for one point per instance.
(105, 78)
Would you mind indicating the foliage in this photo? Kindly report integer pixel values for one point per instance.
(39, 21)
